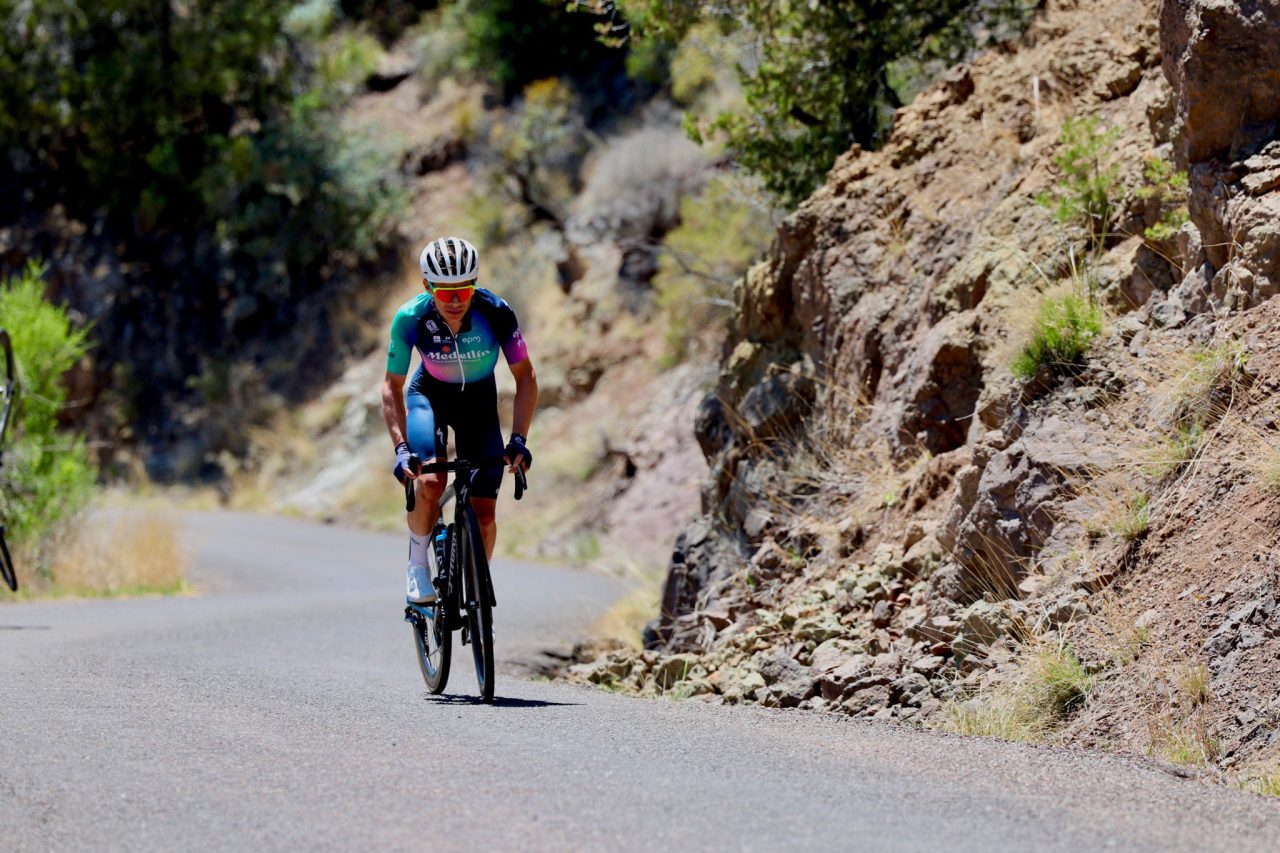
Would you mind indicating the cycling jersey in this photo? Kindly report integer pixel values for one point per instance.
(468, 356)
(455, 386)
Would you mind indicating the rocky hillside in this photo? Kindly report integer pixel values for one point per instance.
(618, 469)
(897, 525)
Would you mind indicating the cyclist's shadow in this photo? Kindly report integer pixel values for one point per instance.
(498, 701)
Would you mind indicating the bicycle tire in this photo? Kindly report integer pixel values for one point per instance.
(7, 570)
(433, 638)
(479, 611)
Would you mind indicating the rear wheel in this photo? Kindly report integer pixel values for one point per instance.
(479, 610)
(433, 638)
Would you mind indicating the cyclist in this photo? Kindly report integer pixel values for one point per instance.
(458, 330)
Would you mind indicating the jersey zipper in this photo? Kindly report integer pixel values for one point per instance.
(458, 352)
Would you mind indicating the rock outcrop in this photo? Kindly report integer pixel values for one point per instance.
(1223, 62)
(892, 518)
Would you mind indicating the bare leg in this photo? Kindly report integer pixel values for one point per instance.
(486, 509)
(426, 510)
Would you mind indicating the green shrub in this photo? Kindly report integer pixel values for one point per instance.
(695, 63)
(720, 233)
(1056, 682)
(1134, 517)
(1084, 197)
(343, 62)
(540, 147)
(47, 476)
(816, 76)
(1169, 187)
(1175, 450)
(512, 43)
(1065, 327)
(441, 45)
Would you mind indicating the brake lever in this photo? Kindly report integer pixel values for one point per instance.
(521, 483)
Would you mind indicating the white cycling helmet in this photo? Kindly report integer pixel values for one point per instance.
(449, 260)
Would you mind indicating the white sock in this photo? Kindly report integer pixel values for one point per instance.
(419, 548)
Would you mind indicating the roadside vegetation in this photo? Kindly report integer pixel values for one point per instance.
(47, 477)
(1049, 684)
(1065, 326)
(816, 78)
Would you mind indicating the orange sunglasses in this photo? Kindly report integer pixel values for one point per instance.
(454, 294)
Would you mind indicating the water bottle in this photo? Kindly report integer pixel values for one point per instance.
(437, 538)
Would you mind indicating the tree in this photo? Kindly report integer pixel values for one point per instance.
(516, 42)
(818, 77)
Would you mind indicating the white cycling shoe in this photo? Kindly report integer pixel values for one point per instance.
(420, 589)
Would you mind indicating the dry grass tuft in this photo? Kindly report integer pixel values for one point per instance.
(1113, 505)
(624, 621)
(1262, 456)
(833, 473)
(1185, 741)
(999, 716)
(1170, 454)
(128, 552)
(1134, 518)
(1111, 634)
(1267, 470)
(1261, 779)
(1192, 681)
(1206, 382)
(1054, 679)
(1050, 683)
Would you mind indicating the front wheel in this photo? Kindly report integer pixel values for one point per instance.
(433, 643)
(433, 638)
(479, 610)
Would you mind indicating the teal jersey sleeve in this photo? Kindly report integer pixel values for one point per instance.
(404, 330)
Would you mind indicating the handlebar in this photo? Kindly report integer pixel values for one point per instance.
(458, 466)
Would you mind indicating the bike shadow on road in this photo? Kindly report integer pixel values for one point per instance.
(498, 701)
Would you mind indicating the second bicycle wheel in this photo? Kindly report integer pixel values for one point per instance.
(479, 612)
(7, 570)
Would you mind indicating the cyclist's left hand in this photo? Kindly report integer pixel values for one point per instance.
(516, 454)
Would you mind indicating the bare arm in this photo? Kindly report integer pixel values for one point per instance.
(526, 396)
(393, 407)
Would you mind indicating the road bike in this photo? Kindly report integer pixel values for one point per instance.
(8, 395)
(464, 588)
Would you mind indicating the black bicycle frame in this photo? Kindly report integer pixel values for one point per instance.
(460, 490)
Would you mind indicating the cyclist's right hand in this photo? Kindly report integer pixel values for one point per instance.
(402, 461)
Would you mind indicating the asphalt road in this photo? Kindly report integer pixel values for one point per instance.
(282, 709)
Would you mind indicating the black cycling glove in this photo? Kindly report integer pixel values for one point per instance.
(515, 448)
